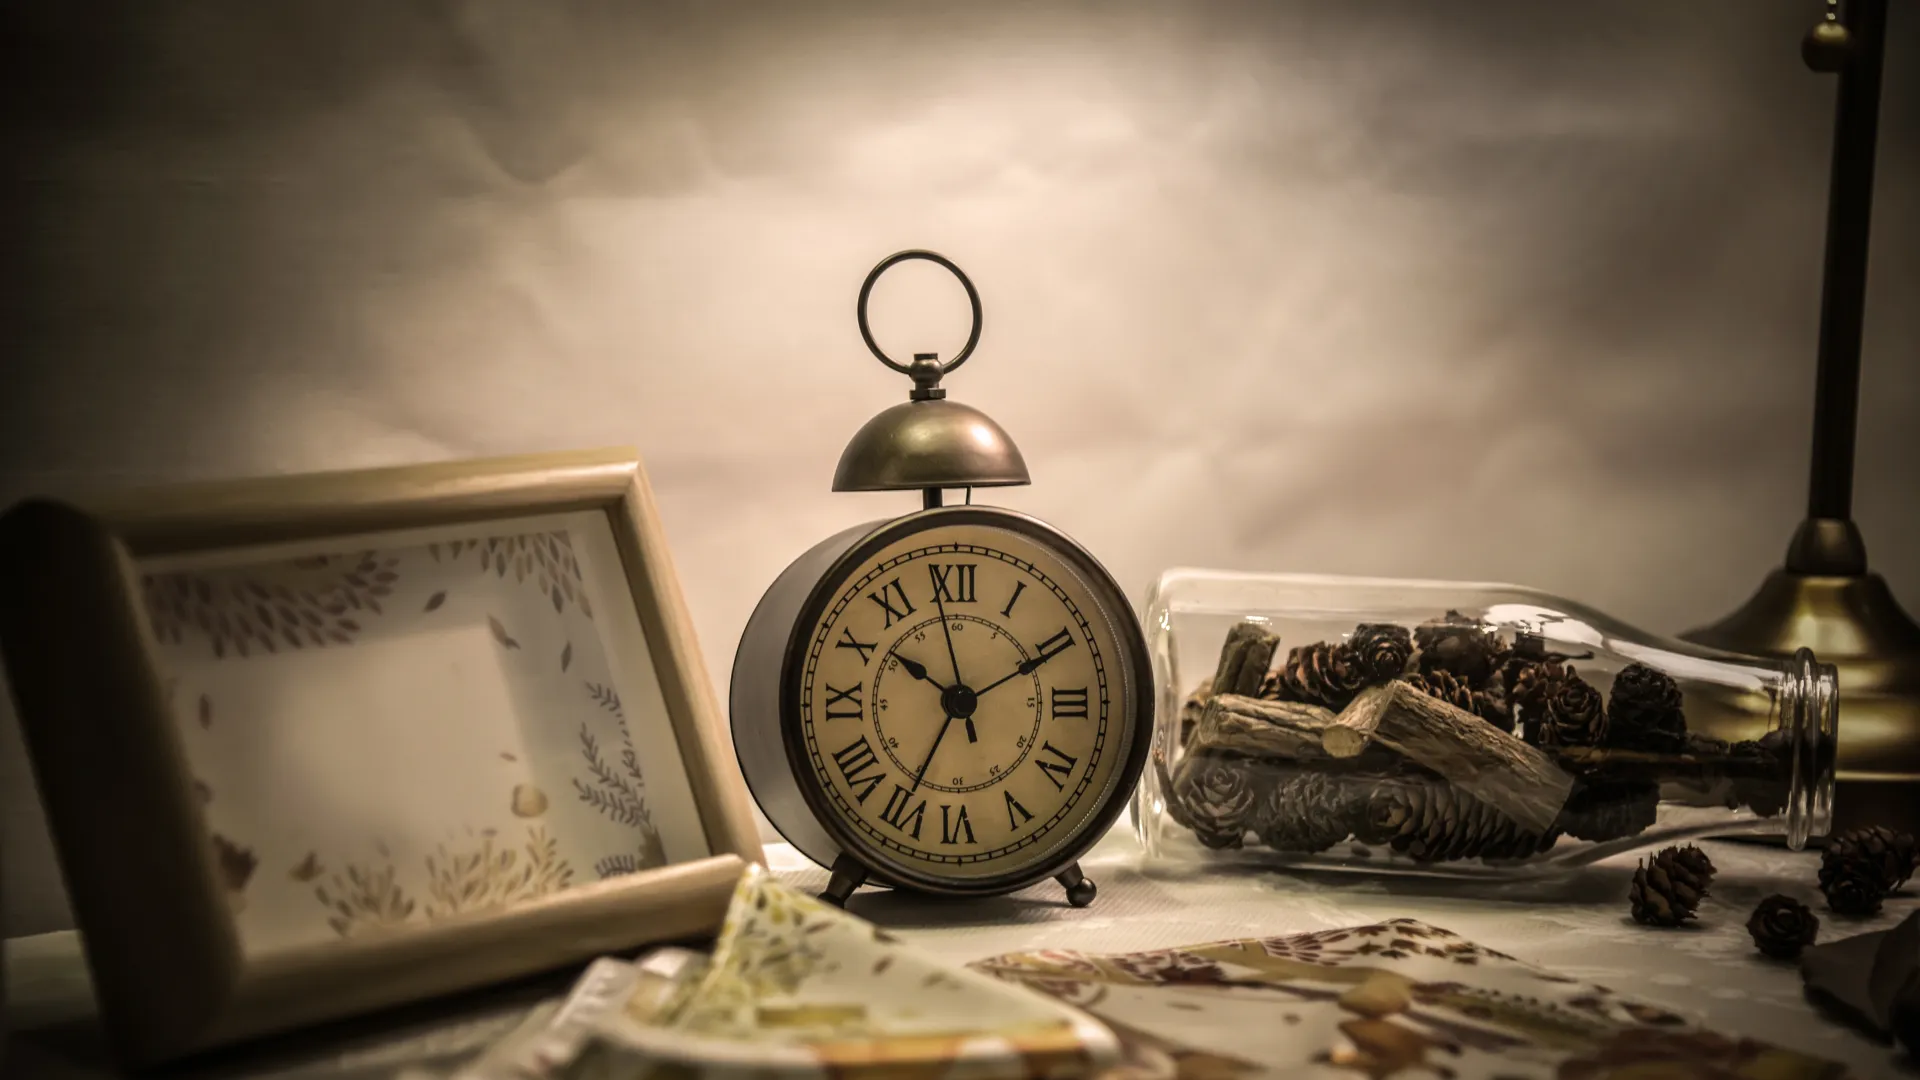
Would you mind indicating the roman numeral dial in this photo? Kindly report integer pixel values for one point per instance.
(963, 704)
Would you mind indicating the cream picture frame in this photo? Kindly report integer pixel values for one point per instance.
(315, 745)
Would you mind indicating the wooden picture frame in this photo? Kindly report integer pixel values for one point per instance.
(100, 626)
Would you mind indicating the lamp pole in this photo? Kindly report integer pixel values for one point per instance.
(1825, 598)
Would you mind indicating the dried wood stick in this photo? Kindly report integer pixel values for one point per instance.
(1246, 725)
(1244, 659)
(1353, 729)
(1500, 769)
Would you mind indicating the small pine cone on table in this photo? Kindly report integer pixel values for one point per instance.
(1461, 645)
(1891, 853)
(1216, 798)
(1318, 674)
(1782, 926)
(1306, 811)
(1667, 889)
(1381, 650)
(1851, 886)
(1646, 711)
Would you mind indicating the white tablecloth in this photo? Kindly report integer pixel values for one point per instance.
(1578, 928)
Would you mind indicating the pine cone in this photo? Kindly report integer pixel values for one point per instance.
(1319, 674)
(1454, 690)
(1646, 711)
(1667, 890)
(1891, 853)
(1559, 707)
(1762, 782)
(1851, 886)
(1381, 650)
(1781, 926)
(1216, 798)
(1429, 821)
(1307, 811)
(1600, 812)
(1463, 646)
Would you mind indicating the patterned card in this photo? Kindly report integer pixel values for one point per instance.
(1398, 998)
(796, 988)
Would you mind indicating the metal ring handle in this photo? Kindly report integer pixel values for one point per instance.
(973, 298)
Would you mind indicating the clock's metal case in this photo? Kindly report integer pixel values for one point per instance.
(766, 711)
(926, 443)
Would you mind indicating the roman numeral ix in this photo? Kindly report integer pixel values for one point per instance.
(851, 697)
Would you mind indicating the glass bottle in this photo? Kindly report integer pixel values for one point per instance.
(1458, 729)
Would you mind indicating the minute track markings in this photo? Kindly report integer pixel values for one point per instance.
(830, 622)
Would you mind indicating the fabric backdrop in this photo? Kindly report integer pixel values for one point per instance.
(1503, 290)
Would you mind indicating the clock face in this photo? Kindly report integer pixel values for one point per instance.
(966, 700)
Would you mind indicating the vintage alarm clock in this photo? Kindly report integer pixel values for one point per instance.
(956, 701)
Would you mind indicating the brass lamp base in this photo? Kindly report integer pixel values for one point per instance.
(1853, 622)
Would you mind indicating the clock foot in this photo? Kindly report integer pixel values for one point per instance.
(848, 875)
(1080, 891)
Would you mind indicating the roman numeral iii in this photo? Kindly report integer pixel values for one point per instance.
(954, 826)
(899, 816)
(953, 583)
(861, 767)
(885, 597)
(1056, 770)
(1069, 704)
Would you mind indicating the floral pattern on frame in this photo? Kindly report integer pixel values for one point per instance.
(387, 736)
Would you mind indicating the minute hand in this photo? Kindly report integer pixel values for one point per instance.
(1026, 667)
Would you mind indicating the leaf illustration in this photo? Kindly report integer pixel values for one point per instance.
(206, 711)
(434, 601)
(556, 600)
(504, 756)
(500, 634)
(201, 789)
(566, 657)
(308, 869)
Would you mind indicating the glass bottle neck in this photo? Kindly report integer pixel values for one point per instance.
(1809, 715)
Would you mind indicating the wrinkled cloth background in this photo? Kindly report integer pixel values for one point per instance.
(1500, 290)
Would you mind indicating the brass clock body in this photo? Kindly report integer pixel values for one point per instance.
(963, 704)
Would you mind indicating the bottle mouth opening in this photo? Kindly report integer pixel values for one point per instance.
(1810, 714)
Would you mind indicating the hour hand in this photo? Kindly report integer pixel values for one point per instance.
(917, 670)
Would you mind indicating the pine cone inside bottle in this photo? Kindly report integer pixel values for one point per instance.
(1453, 690)
(1890, 853)
(1600, 811)
(1431, 821)
(1308, 810)
(1763, 777)
(1381, 651)
(1322, 673)
(1646, 711)
(1216, 798)
(1461, 645)
(1561, 708)
(1667, 889)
